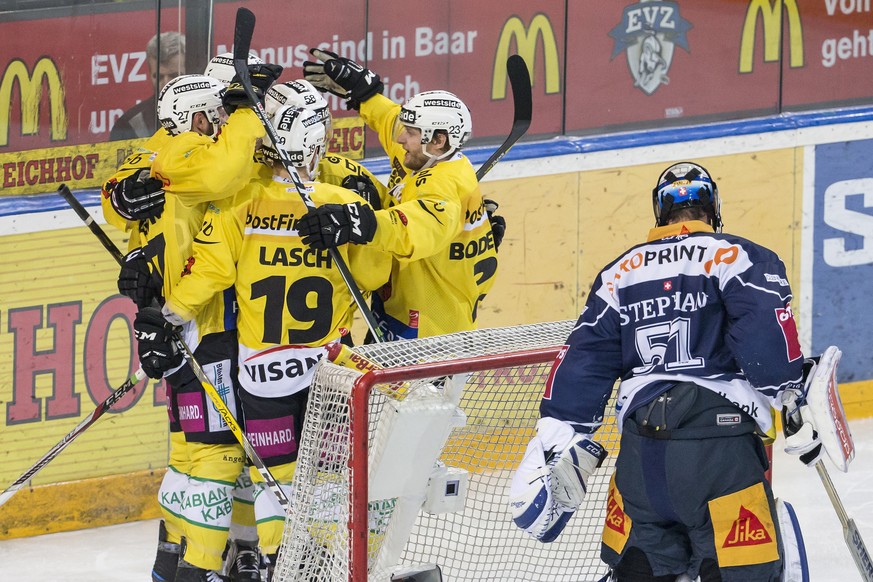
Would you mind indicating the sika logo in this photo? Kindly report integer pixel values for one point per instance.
(615, 517)
(747, 530)
(649, 31)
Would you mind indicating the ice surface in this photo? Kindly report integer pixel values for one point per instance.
(124, 553)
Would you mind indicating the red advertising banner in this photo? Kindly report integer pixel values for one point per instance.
(827, 52)
(649, 63)
(457, 46)
(71, 86)
(623, 66)
(646, 62)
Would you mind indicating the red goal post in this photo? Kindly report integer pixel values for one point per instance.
(410, 464)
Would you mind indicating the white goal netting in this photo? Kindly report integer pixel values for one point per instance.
(441, 451)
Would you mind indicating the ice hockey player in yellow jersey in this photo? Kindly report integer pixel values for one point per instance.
(208, 157)
(293, 302)
(333, 168)
(436, 227)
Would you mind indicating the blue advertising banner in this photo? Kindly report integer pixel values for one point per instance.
(842, 278)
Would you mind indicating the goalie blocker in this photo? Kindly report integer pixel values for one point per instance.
(814, 421)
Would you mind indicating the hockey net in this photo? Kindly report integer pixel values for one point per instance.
(411, 464)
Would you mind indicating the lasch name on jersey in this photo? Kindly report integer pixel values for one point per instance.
(294, 257)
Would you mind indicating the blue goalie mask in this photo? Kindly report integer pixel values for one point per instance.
(686, 185)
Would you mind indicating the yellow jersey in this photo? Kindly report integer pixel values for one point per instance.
(141, 159)
(292, 299)
(195, 170)
(437, 231)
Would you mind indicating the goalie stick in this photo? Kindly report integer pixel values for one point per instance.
(210, 390)
(850, 531)
(242, 40)
(519, 79)
(107, 404)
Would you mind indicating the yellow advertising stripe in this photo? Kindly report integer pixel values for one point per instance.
(82, 504)
(347, 137)
(79, 166)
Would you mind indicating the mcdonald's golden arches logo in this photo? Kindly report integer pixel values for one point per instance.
(770, 13)
(527, 39)
(30, 85)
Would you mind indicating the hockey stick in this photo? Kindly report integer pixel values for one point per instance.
(850, 530)
(210, 390)
(72, 435)
(242, 40)
(519, 79)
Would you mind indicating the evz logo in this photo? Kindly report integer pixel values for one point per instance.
(649, 31)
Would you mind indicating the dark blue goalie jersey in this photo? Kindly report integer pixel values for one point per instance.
(688, 305)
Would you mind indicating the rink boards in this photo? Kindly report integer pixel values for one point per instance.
(804, 190)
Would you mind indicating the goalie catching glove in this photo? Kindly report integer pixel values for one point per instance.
(551, 482)
(137, 197)
(341, 76)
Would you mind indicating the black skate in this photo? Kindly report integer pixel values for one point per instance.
(246, 565)
(167, 558)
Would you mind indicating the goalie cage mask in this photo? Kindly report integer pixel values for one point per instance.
(686, 185)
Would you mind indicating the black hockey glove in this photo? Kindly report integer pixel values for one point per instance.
(342, 77)
(331, 225)
(364, 187)
(498, 223)
(262, 77)
(158, 353)
(137, 197)
(138, 281)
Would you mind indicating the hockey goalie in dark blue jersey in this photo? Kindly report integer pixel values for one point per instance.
(697, 327)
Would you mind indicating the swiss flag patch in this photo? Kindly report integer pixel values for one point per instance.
(789, 330)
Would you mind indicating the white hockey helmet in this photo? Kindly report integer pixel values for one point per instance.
(298, 93)
(184, 96)
(302, 137)
(221, 67)
(438, 110)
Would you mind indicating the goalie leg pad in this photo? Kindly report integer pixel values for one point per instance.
(794, 565)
